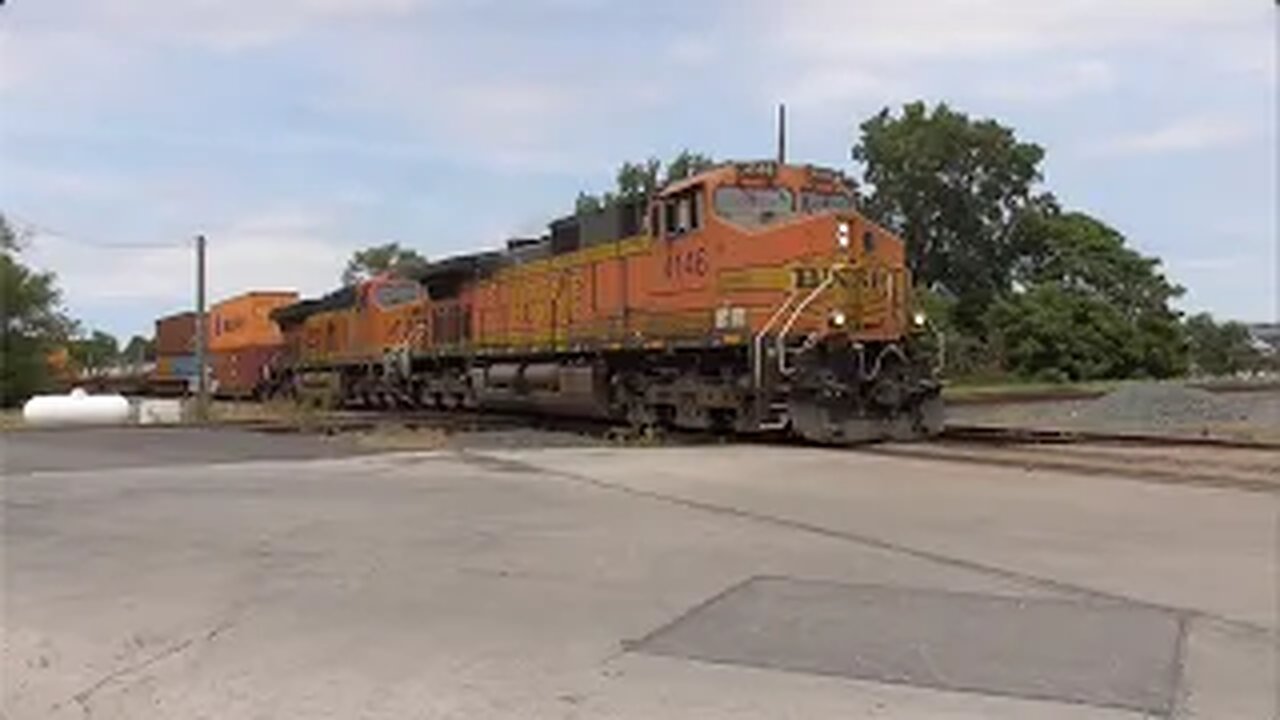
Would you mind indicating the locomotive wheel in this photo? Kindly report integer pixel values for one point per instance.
(422, 396)
(639, 415)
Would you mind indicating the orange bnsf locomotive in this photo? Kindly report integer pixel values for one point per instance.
(750, 297)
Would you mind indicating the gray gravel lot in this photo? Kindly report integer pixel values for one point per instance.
(1143, 408)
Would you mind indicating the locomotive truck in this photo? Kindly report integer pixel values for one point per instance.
(750, 297)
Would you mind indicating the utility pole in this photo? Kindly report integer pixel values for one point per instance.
(782, 133)
(202, 381)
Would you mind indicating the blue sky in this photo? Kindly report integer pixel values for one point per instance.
(294, 131)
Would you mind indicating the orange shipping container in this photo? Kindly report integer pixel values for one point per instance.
(245, 320)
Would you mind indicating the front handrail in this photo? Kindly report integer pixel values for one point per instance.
(781, 340)
(757, 342)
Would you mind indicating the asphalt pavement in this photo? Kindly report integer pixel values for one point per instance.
(218, 574)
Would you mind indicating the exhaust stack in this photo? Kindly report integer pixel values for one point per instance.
(782, 133)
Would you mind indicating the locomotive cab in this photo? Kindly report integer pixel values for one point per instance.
(820, 293)
(801, 220)
(393, 310)
(751, 196)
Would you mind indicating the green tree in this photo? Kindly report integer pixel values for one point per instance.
(34, 324)
(1052, 333)
(685, 165)
(1220, 348)
(953, 188)
(636, 180)
(99, 351)
(388, 258)
(1089, 307)
(138, 350)
(587, 204)
(959, 354)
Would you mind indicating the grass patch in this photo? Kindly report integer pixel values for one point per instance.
(10, 418)
(399, 437)
(269, 412)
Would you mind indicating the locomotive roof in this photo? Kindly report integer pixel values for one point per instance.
(736, 171)
(343, 297)
(471, 263)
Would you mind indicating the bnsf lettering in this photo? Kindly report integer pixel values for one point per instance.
(807, 278)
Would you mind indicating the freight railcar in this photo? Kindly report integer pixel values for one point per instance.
(244, 341)
(751, 297)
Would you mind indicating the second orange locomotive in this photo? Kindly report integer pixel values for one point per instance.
(750, 297)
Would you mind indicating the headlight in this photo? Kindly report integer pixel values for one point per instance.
(837, 319)
(842, 234)
(919, 319)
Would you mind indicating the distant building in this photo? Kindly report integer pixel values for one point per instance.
(1265, 337)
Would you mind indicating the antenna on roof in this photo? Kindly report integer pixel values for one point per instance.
(782, 133)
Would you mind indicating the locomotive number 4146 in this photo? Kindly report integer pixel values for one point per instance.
(686, 263)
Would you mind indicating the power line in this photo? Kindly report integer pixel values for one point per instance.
(28, 228)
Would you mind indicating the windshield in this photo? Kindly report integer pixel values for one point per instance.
(395, 294)
(816, 202)
(754, 207)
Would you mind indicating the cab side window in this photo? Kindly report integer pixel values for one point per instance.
(683, 212)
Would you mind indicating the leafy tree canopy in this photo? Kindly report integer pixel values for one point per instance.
(30, 307)
(1087, 307)
(138, 349)
(1084, 254)
(687, 164)
(954, 188)
(635, 180)
(1053, 333)
(98, 351)
(388, 258)
(1220, 348)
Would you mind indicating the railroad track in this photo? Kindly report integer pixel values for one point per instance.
(449, 421)
(1205, 461)
(1002, 434)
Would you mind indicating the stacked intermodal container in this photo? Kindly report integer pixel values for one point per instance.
(176, 347)
(244, 341)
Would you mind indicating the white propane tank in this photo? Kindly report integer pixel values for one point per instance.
(77, 408)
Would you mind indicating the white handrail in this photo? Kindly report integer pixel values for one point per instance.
(791, 321)
(757, 343)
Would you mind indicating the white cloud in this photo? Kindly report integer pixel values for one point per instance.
(1214, 263)
(78, 56)
(897, 30)
(286, 250)
(1057, 83)
(845, 58)
(64, 64)
(1184, 135)
(492, 109)
(692, 50)
(825, 86)
(232, 26)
